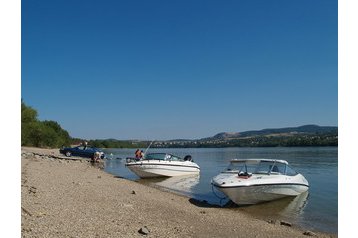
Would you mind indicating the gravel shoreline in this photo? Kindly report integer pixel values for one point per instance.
(63, 197)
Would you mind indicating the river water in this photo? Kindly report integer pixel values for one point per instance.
(315, 210)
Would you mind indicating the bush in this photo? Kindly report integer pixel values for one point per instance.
(41, 133)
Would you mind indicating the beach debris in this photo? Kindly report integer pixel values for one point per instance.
(41, 214)
(272, 221)
(133, 192)
(309, 233)
(99, 176)
(32, 189)
(177, 230)
(126, 205)
(144, 230)
(26, 229)
(27, 154)
(285, 223)
(203, 212)
(26, 211)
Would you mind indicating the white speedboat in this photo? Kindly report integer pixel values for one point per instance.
(162, 165)
(253, 181)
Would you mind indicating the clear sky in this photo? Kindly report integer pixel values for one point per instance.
(179, 69)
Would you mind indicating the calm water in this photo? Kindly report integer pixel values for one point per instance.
(315, 210)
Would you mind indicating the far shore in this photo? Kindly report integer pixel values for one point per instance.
(62, 197)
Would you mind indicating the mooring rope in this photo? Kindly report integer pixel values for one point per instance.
(221, 198)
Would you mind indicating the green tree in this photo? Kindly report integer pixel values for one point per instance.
(28, 114)
(62, 136)
(41, 133)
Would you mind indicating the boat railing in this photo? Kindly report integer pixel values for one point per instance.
(132, 159)
(160, 157)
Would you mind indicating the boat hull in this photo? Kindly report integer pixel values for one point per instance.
(246, 195)
(149, 169)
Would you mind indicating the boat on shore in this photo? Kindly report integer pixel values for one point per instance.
(254, 181)
(162, 165)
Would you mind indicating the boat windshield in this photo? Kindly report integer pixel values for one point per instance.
(162, 156)
(270, 167)
(260, 167)
(243, 166)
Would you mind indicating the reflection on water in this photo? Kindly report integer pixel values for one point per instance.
(180, 184)
(297, 205)
(290, 208)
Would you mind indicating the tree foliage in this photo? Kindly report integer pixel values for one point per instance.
(325, 139)
(41, 133)
(113, 143)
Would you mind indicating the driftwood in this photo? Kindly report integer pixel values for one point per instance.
(98, 163)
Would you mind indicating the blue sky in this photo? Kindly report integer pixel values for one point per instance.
(179, 69)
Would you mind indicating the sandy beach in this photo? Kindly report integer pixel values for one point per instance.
(63, 197)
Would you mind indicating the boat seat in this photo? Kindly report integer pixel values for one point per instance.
(244, 175)
(275, 169)
(188, 158)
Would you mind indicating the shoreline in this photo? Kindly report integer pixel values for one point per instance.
(70, 197)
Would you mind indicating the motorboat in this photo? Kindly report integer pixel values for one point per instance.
(254, 181)
(162, 165)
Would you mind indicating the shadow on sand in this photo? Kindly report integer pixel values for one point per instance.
(204, 203)
(291, 206)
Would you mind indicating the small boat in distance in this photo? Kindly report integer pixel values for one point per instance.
(162, 165)
(254, 181)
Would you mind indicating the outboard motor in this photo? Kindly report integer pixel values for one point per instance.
(188, 158)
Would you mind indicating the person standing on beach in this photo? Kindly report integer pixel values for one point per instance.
(96, 157)
(84, 143)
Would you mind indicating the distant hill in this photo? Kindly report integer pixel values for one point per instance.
(306, 129)
(307, 135)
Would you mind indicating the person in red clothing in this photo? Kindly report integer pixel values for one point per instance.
(137, 154)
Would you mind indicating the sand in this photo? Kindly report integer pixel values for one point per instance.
(72, 198)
